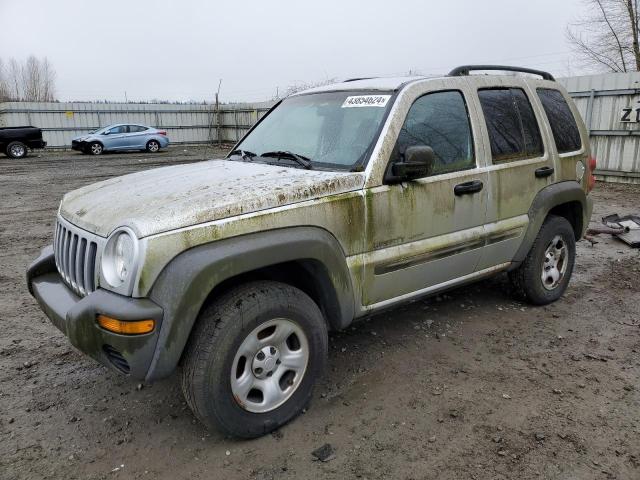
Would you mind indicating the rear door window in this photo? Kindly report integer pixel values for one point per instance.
(563, 124)
(514, 133)
(440, 120)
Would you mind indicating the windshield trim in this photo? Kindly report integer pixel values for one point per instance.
(360, 164)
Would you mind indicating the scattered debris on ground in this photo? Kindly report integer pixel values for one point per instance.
(626, 228)
(325, 453)
(424, 397)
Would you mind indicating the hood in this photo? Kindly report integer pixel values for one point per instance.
(163, 199)
(86, 136)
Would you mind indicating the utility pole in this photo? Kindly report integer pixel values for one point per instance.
(218, 114)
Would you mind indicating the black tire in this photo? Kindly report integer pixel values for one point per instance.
(527, 279)
(219, 332)
(153, 146)
(16, 150)
(95, 148)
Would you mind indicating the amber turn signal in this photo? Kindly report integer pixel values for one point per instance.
(137, 327)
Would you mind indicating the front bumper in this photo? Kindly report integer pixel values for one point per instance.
(78, 145)
(76, 318)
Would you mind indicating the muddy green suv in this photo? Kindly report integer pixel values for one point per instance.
(340, 202)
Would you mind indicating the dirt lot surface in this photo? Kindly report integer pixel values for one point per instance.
(471, 384)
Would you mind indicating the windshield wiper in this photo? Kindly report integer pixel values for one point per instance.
(300, 159)
(244, 154)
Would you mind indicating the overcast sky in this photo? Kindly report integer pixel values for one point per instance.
(179, 50)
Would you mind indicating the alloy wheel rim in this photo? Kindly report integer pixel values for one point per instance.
(153, 147)
(96, 149)
(554, 263)
(17, 150)
(269, 365)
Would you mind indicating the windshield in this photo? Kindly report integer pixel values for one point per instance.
(333, 129)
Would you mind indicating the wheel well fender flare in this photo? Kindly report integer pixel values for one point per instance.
(187, 281)
(562, 197)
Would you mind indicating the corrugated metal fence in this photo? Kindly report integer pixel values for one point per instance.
(610, 107)
(601, 100)
(61, 122)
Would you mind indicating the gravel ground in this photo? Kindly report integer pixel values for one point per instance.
(470, 384)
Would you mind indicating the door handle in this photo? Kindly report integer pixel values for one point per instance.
(468, 187)
(544, 172)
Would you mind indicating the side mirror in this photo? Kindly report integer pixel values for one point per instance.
(105, 133)
(418, 163)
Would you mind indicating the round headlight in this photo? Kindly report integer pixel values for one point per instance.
(123, 257)
(118, 260)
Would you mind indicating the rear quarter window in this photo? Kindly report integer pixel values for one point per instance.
(563, 124)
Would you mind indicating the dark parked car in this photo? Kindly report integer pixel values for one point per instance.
(15, 142)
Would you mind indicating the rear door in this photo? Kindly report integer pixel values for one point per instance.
(136, 138)
(520, 166)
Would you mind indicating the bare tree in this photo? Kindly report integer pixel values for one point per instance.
(4, 83)
(31, 81)
(14, 74)
(48, 80)
(608, 35)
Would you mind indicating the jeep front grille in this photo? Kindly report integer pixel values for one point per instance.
(75, 251)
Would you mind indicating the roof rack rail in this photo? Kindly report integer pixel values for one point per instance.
(465, 69)
(356, 79)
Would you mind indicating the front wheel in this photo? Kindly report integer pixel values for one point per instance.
(544, 274)
(16, 150)
(96, 148)
(153, 146)
(253, 358)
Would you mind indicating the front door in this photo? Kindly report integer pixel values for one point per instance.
(115, 138)
(426, 233)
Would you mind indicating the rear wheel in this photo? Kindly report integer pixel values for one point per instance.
(16, 150)
(545, 273)
(153, 146)
(95, 148)
(253, 358)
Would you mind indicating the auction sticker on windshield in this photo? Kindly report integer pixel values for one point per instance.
(366, 101)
